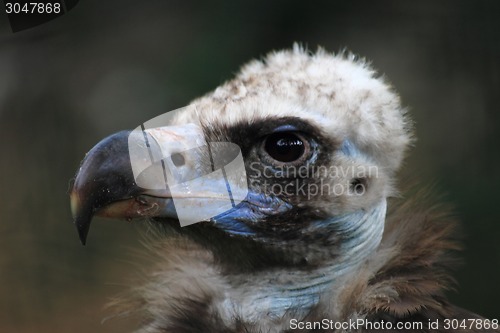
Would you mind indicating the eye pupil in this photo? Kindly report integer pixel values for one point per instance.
(285, 147)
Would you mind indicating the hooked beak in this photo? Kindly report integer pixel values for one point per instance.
(142, 173)
(105, 186)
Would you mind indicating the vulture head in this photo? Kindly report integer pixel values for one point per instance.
(320, 137)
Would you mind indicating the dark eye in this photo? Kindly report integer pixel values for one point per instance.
(286, 147)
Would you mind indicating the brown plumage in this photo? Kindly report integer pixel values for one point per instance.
(289, 261)
(404, 281)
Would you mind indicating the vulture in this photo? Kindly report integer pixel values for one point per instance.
(315, 236)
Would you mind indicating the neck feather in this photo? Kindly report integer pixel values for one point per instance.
(278, 292)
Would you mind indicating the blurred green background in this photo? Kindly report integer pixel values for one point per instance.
(110, 65)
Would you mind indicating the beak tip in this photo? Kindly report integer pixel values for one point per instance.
(105, 176)
(83, 238)
(81, 218)
(83, 230)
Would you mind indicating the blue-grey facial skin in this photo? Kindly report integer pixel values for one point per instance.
(254, 209)
(249, 218)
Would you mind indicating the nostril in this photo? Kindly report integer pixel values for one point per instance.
(178, 159)
(358, 186)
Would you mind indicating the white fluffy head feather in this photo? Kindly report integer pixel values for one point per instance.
(337, 92)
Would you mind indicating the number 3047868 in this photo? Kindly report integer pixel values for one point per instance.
(32, 8)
